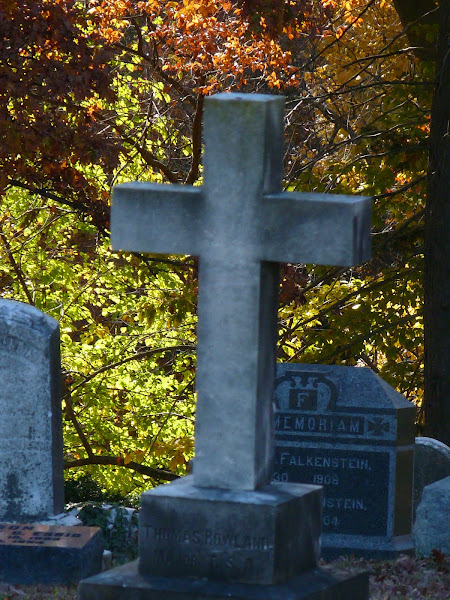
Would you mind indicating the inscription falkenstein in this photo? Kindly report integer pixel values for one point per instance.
(307, 403)
(323, 462)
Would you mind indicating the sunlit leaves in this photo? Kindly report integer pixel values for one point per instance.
(127, 377)
(120, 98)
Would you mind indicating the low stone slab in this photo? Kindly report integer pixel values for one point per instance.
(125, 583)
(431, 463)
(47, 554)
(431, 528)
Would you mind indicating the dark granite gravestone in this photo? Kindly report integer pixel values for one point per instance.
(31, 452)
(348, 430)
(431, 463)
(226, 531)
(48, 554)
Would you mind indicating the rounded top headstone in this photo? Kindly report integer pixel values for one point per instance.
(431, 463)
(31, 469)
(19, 314)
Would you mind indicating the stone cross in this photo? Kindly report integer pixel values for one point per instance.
(241, 225)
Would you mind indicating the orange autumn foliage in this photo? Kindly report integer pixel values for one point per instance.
(217, 44)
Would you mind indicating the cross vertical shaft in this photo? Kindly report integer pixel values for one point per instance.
(238, 295)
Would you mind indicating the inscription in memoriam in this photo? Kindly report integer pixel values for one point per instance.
(24, 534)
(338, 425)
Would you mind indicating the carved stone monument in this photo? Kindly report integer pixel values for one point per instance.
(226, 531)
(31, 457)
(31, 452)
(348, 430)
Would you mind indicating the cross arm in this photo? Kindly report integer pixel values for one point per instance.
(326, 229)
(156, 218)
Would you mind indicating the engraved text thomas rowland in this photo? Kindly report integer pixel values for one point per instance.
(206, 537)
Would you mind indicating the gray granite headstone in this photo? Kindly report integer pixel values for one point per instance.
(31, 453)
(432, 525)
(431, 463)
(227, 525)
(348, 430)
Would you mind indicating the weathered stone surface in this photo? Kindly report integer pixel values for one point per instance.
(431, 463)
(47, 554)
(126, 583)
(348, 430)
(431, 527)
(262, 537)
(238, 222)
(31, 455)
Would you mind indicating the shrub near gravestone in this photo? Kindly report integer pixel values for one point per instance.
(118, 524)
(348, 430)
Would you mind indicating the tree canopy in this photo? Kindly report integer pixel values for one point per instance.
(98, 92)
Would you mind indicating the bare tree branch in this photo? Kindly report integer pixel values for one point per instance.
(137, 356)
(196, 140)
(118, 461)
(15, 266)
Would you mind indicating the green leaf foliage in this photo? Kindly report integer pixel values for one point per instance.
(357, 120)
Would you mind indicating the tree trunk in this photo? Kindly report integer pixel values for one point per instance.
(436, 404)
(416, 17)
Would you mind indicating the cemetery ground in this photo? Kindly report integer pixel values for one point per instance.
(405, 578)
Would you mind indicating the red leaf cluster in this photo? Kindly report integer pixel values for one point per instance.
(53, 70)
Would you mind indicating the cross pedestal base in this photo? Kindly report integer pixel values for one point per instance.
(125, 583)
(208, 543)
(244, 536)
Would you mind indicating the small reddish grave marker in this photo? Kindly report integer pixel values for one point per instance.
(48, 554)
